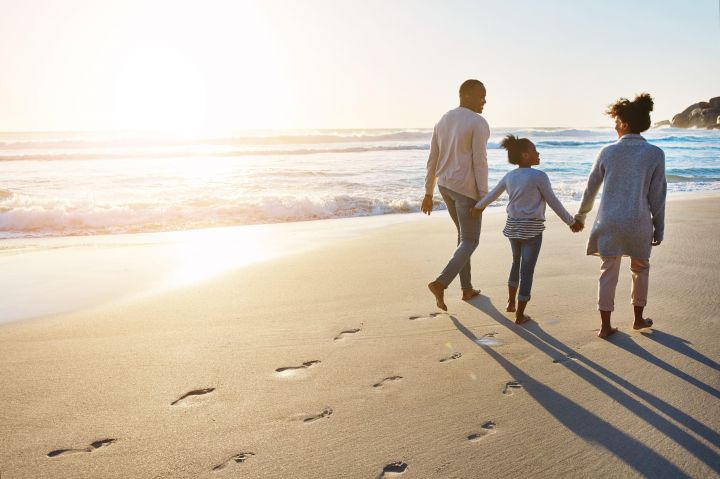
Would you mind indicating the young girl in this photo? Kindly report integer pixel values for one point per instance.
(528, 190)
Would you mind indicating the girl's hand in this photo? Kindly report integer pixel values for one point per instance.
(577, 227)
(476, 212)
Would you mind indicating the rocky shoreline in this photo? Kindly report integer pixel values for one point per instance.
(705, 114)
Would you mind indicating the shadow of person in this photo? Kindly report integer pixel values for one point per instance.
(626, 343)
(553, 348)
(583, 422)
(681, 346)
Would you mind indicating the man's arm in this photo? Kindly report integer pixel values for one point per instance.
(481, 134)
(427, 203)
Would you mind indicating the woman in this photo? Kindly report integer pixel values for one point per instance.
(631, 217)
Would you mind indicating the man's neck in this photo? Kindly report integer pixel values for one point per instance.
(468, 107)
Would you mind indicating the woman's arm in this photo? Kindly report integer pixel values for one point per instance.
(656, 198)
(593, 185)
(553, 202)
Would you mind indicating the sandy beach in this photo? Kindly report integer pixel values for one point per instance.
(326, 358)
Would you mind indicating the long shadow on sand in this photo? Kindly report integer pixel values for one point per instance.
(626, 343)
(588, 425)
(681, 346)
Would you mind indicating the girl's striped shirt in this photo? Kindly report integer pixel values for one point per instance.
(523, 228)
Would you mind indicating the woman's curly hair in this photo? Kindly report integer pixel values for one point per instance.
(635, 113)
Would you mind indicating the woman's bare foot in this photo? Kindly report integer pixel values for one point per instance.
(510, 307)
(438, 290)
(605, 328)
(522, 319)
(641, 323)
(605, 332)
(470, 293)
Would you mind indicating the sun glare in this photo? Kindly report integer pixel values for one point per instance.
(201, 254)
(159, 89)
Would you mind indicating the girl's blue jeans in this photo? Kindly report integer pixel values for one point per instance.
(525, 254)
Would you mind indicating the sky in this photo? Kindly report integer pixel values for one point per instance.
(283, 64)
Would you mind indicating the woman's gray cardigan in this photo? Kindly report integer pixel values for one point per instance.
(632, 207)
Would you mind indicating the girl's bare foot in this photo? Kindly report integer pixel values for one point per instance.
(605, 332)
(470, 294)
(641, 323)
(438, 290)
(512, 292)
(520, 316)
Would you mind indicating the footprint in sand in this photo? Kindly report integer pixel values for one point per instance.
(194, 392)
(393, 470)
(290, 370)
(327, 412)
(387, 380)
(510, 385)
(485, 429)
(489, 339)
(429, 316)
(568, 357)
(346, 332)
(92, 447)
(237, 458)
(451, 357)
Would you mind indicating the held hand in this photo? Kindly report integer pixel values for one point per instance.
(427, 205)
(656, 243)
(476, 212)
(577, 227)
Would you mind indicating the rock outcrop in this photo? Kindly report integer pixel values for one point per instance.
(705, 114)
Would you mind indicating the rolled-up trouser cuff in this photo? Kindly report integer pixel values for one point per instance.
(523, 298)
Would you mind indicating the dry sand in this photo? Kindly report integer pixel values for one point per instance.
(185, 383)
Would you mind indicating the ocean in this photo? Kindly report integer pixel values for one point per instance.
(73, 183)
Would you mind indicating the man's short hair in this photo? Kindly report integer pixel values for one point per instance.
(470, 85)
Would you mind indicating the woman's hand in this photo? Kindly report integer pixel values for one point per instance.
(476, 212)
(577, 227)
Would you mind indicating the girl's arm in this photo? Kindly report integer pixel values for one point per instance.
(549, 196)
(492, 196)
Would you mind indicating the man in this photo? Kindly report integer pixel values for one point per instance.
(458, 163)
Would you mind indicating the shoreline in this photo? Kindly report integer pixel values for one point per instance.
(146, 264)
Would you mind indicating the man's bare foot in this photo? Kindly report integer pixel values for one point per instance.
(605, 332)
(438, 290)
(510, 307)
(643, 323)
(522, 319)
(470, 294)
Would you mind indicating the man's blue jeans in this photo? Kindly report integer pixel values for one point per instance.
(525, 255)
(460, 206)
